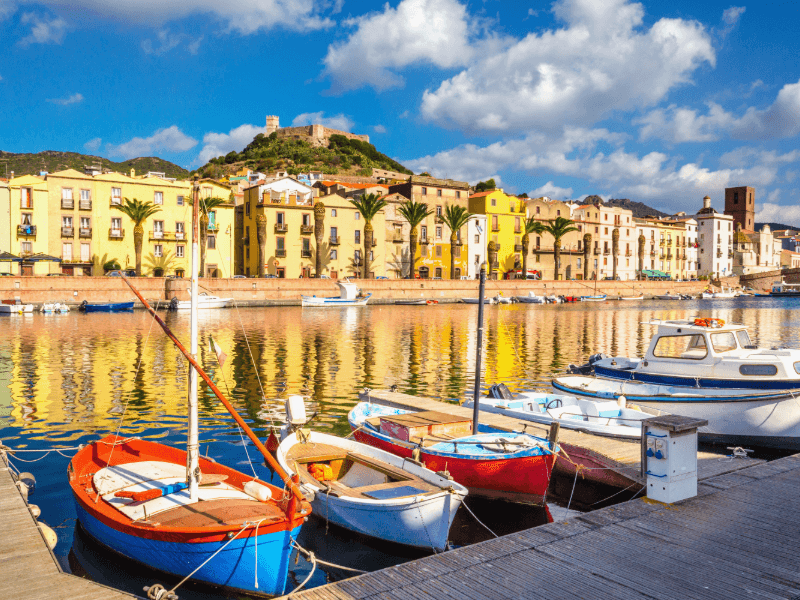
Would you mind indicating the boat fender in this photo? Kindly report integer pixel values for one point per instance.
(445, 474)
(28, 480)
(35, 510)
(255, 490)
(415, 454)
(50, 537)
(622, 401)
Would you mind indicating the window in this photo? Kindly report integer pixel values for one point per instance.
(306, 251)
(158, 229)
(86, 195)
(681, 346)
(579, 263)
(438, 233)
(736, 197)
(306, 220)
(158, 198)
(597, 230)
(27, 248)
(606, 216)
(358, 236)
(357, 216)
(247, 209)
(116, 224)
(438, 250)
(334, 232)
(438, 210)
(333, 212)
(85, 223)
(558, 213)
(86, 253)
(66, 221)
(179, 251)
(180, 203)
(116, 195)
(205, 192)
(744, 339)
(458, 194)
(334, 254)
(280, 244)
(538, 210)
(424, 191)
(606, 229)
(516, 225)
(66, 251)
(580, 228)
(357, 257)
(723, 342)
(439, 193)
(371, 255)
(212, 242)
(280, 218)
(66, 193)
(26, 197)
(763, 370)
(179, 230)
(423, 232)
(494, 202)
(477, 238)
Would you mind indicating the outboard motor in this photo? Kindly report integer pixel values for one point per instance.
(500, 391)
(173, 304)
(588, 368)
(83, 305)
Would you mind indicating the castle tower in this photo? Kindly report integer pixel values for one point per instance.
(740, 203)
(273, 124)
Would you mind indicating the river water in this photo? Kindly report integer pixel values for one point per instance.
(69, 379)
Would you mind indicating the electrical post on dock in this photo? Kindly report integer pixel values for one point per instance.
(477, 392)
(669, 457)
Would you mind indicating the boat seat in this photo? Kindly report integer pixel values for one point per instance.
(212, 513)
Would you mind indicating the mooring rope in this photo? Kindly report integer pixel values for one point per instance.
(308, 553)
(464, 504)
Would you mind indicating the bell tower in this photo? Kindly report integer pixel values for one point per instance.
(740, 203)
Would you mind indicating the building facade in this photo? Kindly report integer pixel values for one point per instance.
(715, 242)
(740, 203)
(600, 221)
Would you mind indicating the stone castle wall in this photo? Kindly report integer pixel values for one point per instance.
(316, 135)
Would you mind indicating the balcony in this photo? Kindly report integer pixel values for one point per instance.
(596, 251)
(26, 230)
(652, 253)
(276, 201)
(67, 204)
(424, 240)
(85, 205)
(438, 220)
(606, 251)
(85, 232)
(68, 232)
(495, 227)
(334, 240)
(719, 253)
(116, 234)
(669, 255)
(305, 253)
(280, 252)
(116, 200)
(281, 228)
(306, 229)
(517, 247)
(661, 243)
(397, 238)
(730, 254)
(374, 242)
(180, 235)
(157, 235)
(213, 227)
(628, 253)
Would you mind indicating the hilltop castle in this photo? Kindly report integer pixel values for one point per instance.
(316, 135)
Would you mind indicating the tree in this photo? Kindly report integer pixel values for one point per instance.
(587, 248)
(415, 213)
(614, 252)
(455, 217)
(531, 226)
(138, 212)
(485, 186)
(558, 228)
(207, 205)
(368, 205)
(319, 233)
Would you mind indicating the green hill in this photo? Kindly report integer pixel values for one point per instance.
(342, 156)
(53, 160)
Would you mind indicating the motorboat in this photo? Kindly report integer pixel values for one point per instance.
(603, 417)
(204, 300)
(553, 299)
(420, 302)
(531, 298)
(706, 295)
(486, 300)
(706, 353)
(736, 416)
(724, 293)
(500, 299)
(370, 491)
(671, 296)
(349, 295)
(88, 307)
(54, 308)
(15, 309)
(493, 463)
(781, 288)
(595, 298)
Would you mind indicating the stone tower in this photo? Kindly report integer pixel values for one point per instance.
(273, 124)
(740, 203)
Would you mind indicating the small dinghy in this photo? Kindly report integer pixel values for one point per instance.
(420, 302)
(476, 301)
(598, 298)
(639, 297)
(52, 308)
(372, 492)
(604, 417)
(88, 307)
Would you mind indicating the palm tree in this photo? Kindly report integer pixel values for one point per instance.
(159, 265)
(641, 242)
(319, 233)
(587, 248)
(558, 228)
(138, 212)
(415, 213)
(261, 236)
(368, 205)
(455, 217)
(207, 205)
(614, 252)
(531, 226)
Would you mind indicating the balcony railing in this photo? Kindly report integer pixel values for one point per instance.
(424, 240)
(280, 252)
(116, 234)
(306, 229)
(67, 204)
(652, 252)
(669, 255)
(606, 251)
(67, 232)
(517, 247)
(213, 226)
(397, 238)
(116, 200)
(730, 254)
(374, 242)
(281, 228)
(628, 253)
(157, 235)
(596, 251)
(276, 201)
(85, 232)
(661, 243)
(26, 230)
(719, 253)
(439, 219)
(305, 253)
(180, 235)
(85, 205)
(334, 240)
(495, 227)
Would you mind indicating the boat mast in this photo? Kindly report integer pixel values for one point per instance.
(477, 390)
(192, 445)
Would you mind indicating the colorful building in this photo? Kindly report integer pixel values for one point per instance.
(506, 217)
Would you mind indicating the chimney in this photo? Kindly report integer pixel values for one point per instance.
(706, 202)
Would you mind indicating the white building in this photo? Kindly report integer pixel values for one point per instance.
(281, 191)
(476, 244)
(755, 252)
(715, 242)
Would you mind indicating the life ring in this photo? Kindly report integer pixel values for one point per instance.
(709, 322)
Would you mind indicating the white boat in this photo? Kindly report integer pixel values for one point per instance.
(706, 353)
(500, 299)
(531, 298)
(706, 295)
(724, 293)
(204, 300)
(475, 301)
(670, 296)
(603, 417)
(639, 297)
(737, 416)
(597, 298)
(349, 295)
(16, 309)
(55, 308)
(370, 491)
(553, 299)
(781, 288)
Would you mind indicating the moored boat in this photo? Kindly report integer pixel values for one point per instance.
(349, 295)
(595, 298)
(54, 308)
(531, 298)
(476, 301)
(639, 297)
(204, 300)
(88, 307)
(15, 309)
(781, 288)
(494, 463)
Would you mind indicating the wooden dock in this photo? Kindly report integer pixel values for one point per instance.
(620, 457)
(28, 570)
(737, 539)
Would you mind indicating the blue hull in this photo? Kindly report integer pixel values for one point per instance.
(115, 307)
(232, 568)
(698, 382)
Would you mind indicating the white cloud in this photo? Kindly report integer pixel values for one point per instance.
(44, 30)
(379, 129)
(340, 121)
(603, 59)
(769, 212)
(93, 145)
(730, 16)
(676, 125)
(170, 139)
(71, 99)
(551, 190)
(219, 144)
(426, 32)
(167, 41)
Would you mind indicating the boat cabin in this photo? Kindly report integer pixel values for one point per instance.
(348, 290)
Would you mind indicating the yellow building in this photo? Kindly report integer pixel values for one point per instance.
(289, 243)
(72, 216)
(505, 219)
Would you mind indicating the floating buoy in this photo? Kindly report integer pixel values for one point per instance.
(50, 537)
(35, 510)
(255, 490)
(622, 401)
(23, 490)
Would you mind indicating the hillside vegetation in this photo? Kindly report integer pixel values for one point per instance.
(268, 153)
(53, 160)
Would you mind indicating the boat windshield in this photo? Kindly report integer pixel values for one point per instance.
(691, 347)
(723, 342)
(744, 339)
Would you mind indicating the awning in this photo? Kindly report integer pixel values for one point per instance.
(40, 257)
(8, 257)
(654, 273)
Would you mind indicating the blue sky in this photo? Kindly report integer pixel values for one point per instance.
(658, 102)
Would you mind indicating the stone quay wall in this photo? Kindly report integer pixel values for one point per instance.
(764, 281)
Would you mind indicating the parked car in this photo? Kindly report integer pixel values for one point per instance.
(268, 276)
(381, 277)
(119, 273)
(240, 277)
